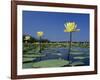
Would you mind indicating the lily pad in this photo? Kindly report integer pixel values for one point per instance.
(80, 57)
(33, 55)
(76, 53)
(77, 64)
(28, 59)
(27, 65)
(59, 54)
(30, 52)
(51, 63)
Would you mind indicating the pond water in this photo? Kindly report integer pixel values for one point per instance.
(80, 54)
(77, 54)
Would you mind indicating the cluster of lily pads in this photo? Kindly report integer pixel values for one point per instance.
(31, 54)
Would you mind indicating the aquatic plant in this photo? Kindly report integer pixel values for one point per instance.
(27, 38)
(70, 27)
(50, 63)
(40, 34)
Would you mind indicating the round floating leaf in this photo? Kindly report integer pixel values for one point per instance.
(33, 55)
(28, 59)
(51, 63)
(78, 63)
(80, 57)
(76, 53)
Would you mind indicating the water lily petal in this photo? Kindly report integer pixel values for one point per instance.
(70, 27)
(40, 33)
(27, 37)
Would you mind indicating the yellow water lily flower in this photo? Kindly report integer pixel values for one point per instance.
(40, 33)
(27, 37)
(70, 27)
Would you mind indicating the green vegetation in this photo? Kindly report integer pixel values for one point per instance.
(51, 63)
(31, 53)
(76, 53)
(78, 63)
(79, 57)
(47, 43)
(28, 59)
(27, 65)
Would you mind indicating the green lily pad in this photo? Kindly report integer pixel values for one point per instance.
(51, 63)
(33, 55)
(76, 53)
(28, 59)
(80, 57)
(77, 63)
(27, 65)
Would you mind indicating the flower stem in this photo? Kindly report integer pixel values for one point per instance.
(40, 45)
(70, 46)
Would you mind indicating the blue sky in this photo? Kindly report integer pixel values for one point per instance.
(52, 24)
